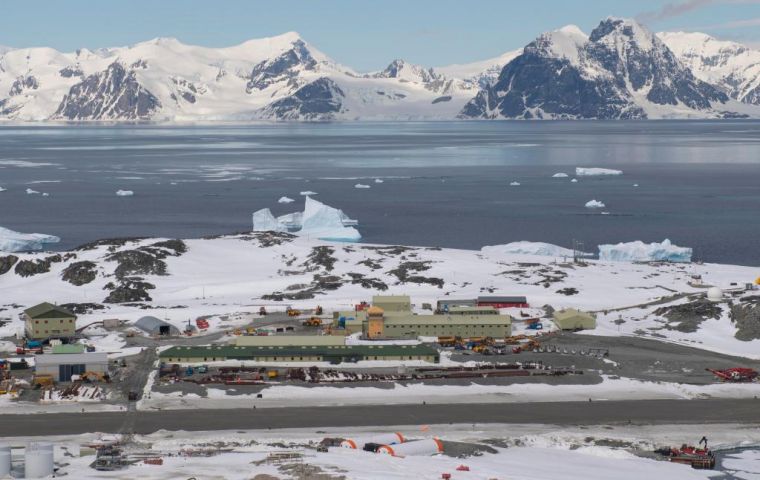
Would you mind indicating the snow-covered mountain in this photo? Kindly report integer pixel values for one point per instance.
(281, 77)
(733, 67)
(619, 71)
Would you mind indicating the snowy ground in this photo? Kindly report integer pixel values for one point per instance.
(611, 388)
(226, 278)
(516, 451)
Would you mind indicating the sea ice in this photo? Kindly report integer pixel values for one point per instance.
(308, 192)
(29, 191)
(378, 180)
(594, 204)
(361, 185)
(11, 241)
(514, 184)
(559, 175)
(585, 172)
(125, 193)
(529, 248)
(639, 251)
(285, 200)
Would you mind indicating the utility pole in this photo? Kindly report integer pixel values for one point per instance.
(577, 251)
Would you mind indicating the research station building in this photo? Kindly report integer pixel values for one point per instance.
(572, 319)
(49, 321)
(61, 366)
(304, 353)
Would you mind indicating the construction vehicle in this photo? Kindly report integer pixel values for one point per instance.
(318, 310)
(250, 331)
(735, 375)
(201, 323)
(313, 322)
(447, 341)
(202, 369)
(292, 312)
(272, 374)
(535, 326)
(262, 311)
(94, 377)
(42, 381)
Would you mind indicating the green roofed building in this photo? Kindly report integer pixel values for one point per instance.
(315, 353)
(49, 321)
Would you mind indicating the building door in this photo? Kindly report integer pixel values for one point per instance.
(163, 330)
(66, 371)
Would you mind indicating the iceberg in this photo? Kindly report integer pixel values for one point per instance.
(317, 220)
(308, 192)
(639, 251)
(575, 180)
(378, 180)
(3, 189)
(11, 241)
(29, 191)
(361, 185)
(285, 200)
(559, 175)
(264, 221)
(587, 172)
(125, 193)
(594, 204)
(529, 248)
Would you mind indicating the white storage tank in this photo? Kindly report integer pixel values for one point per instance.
(381, 439)
(714, 294)
(38, 460)
(430, 446)
(5, 461)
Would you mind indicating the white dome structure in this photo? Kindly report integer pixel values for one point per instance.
(714, 294)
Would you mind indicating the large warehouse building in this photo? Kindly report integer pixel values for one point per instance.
(61, 366)
(572, 319)
(288, 340)
(332, 354)
(379, 325)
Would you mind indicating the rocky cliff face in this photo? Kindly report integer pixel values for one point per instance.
(321, 99)
(285, 67)
(114, 94)
(620, 71)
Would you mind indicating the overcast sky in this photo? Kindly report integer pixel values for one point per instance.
(364, 34)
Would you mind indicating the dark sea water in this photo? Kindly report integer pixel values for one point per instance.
(445, 183)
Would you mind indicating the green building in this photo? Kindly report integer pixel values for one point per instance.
(49, 321)
(313, 353)
(393, 303)
(458, 325)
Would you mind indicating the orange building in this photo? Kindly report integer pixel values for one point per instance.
(375, 323)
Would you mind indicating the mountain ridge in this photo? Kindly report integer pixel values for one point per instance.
(619, 71)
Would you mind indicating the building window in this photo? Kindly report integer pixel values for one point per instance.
(36, 322)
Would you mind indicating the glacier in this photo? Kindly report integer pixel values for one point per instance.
(12, 241)
(588, 172)
(639, 251)
(528, 248)
(316, 221)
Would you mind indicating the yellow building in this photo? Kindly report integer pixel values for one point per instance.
(393, 303)
(49, 321)
(572, 319)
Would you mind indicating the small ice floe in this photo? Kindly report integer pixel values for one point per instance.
(3, 189)
(172, 183)
(559, 175)
(308, 192)
(594, 204)
(29, 191)
(635, 184)
(378, 180)
(587, 172)
(361, 185)
(45, 194)
(125, 193)
(285, 200)
(514, 184)
(605, 213)
(575, 180)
